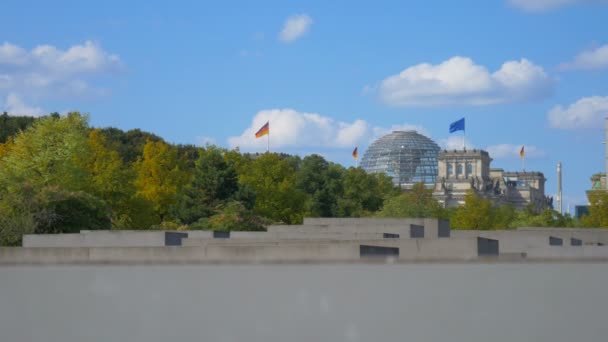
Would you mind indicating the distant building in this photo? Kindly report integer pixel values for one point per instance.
(460, 171)
(598, 180)
(406, 156)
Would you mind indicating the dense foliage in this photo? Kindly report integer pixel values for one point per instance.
(59, 175)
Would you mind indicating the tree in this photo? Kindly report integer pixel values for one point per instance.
(160, 176)
(113, 181)
(48, 153)
(273, 181)
(214, 182)
(16, 218)
(476, 213)
(417, 202)
(598, 209)
(12, 125)
(320, 180)
(362, 193)
(130, 144)
(232, 216)
(60, 211)
(110, 179)
(504, 216)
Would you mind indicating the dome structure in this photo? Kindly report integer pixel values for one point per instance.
(406, 156)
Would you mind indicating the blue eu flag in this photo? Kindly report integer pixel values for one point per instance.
(457, 126)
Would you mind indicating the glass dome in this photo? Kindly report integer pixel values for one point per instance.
(406, 156)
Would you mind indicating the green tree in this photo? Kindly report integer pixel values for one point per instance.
(476, 213)
(319, 179)
(50, 152)
(272, 178)
(504, 216)
(12, 125)
(363, 193)
(113, 181)
(130, 144)
(417, 202)
(214, 182)
(60, 211)
(598, 209)
(17, 217)
(232, 216)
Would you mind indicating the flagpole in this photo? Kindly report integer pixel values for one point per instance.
(464, 134)
(464, 146)
(268, 142)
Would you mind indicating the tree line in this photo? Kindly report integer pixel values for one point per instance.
(59, 175)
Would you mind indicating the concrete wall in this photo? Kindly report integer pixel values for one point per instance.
(365, 221)
(521, 241)
(315, 235)
(171, 255)
(587, 235)
(217, 250)
(108, 238)
(596, 253)
(433, 228)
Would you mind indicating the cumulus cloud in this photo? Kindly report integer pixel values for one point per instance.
(510, 151)
(545, 5)
(295, 27)
(459, 81)
(378, 132)
(590, 59)
(50, 71)
(455, 142)
(588, 112)
(14, 105)
(289, 128)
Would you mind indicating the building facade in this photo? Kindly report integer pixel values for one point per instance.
(461, 171)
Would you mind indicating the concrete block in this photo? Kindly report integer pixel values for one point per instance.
(108, 238)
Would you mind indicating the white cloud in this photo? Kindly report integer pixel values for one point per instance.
(50, 71)
(588, 112)
(459, 81)
(295, 27)
(545, 5)
(455, 142)
(292, 128)
(312, 132)
(589, 59)
(381, 131)
(509, 151)
(12, 54)
(14, 105)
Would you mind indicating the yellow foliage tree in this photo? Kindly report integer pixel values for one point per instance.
(160, 176)
(476, 213)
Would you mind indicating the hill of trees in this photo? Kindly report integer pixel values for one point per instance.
(59, 175)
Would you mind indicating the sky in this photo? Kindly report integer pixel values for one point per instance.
(328, 75)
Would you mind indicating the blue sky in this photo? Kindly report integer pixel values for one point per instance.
(328, 75)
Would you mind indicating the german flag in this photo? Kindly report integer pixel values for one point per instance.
(522, 153)
(355, 153)
(263, 131)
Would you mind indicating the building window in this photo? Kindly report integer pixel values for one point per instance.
(450, 169)
(459, 170)
(469, 169)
